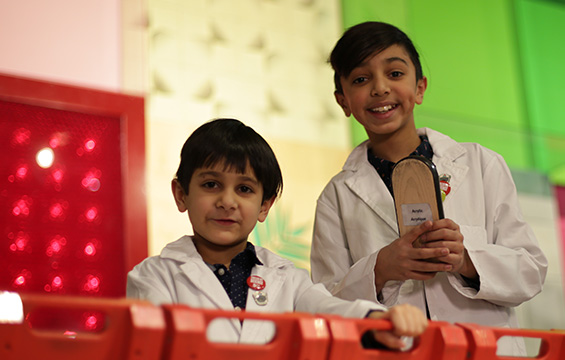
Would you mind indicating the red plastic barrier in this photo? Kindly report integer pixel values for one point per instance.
(65, 327)
(482, 342)
(441, 340)
(298, 336)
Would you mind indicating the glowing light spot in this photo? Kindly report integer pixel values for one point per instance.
(91, 180)
(91, 322)
(55, 245)
(56, 210)
(20, 280)
(90, 249)
(92, 284)
(21, 171)
(21, 136)
(45, 157)
(57, 175)
(91, 214)
(20, 242)
(70, 334)
(21, 206)
(58, 139)
(57, 283)
(89, 145)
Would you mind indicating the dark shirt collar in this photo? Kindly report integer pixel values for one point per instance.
(234, 280)
(384, 167)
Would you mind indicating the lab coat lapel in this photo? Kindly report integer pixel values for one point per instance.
(274, 281)
(210, 287)
(207, 283)
(370, 188)
(456, 172)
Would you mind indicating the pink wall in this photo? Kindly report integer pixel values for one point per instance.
(560, 196)
(72, 41)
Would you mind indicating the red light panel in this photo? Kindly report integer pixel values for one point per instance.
(68, 224)
(62, 209)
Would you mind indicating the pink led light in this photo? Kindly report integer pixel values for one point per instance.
(21, 206)
(20, 242)
(21, 171)
(89, 145)
(91, 214)
(91, 322)
(20, 280)
(56, 210)
(91, 180)
(92, 284)
(90, 249)
(55, 245)
(57, 282)
(21, 136)
(57, 175)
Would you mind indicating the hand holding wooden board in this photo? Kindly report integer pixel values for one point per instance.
(416, 192)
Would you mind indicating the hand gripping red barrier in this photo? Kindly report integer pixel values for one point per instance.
(482, 342)
(298, 336)
(85, 328)
(440, 341)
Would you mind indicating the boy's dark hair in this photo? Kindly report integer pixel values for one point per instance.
(363, 40)
(235, 144)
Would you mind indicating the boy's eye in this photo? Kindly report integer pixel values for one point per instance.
(396, 74)
(359, 80)
(209, 184)
(245, 189)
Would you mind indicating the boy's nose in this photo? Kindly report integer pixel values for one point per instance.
(380, 87)
(227, 200)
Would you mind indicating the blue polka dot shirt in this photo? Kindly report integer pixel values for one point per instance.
(234, 279)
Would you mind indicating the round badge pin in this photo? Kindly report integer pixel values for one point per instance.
(256, 282)
(260, 298)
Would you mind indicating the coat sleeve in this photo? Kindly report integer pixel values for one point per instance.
(315, 298)
(330, 260)
(506, 254)
(146, 282)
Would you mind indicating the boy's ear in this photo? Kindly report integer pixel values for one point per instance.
(421, 89)
(340, 99)
(265, 207)
(178, 193)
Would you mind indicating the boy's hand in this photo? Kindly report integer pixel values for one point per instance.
(445, 233)
(400, 260)
(407, 320)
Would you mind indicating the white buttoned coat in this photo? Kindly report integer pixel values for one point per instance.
(179, 276)
(355, 218)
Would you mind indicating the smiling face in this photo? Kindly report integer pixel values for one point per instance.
(223, 206)
(381, 92)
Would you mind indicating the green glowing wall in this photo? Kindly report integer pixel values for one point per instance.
(495, 73)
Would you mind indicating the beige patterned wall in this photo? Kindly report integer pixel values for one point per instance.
(260, 61)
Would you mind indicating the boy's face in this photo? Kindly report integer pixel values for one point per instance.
(381, 92)
(223, 206)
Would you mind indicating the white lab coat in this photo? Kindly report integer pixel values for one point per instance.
(180, 276)
(355, 218)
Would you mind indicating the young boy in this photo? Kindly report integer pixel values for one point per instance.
(227, 180)
(489, 258)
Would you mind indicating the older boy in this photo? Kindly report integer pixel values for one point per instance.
(227, 180)
(489, 258)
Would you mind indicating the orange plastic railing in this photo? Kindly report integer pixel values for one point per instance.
(483, 346)
(440, 341)
(84, 328)
(298, 336)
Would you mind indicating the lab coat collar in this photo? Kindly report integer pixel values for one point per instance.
(184, 251)
(368, 185)
(446, 152)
